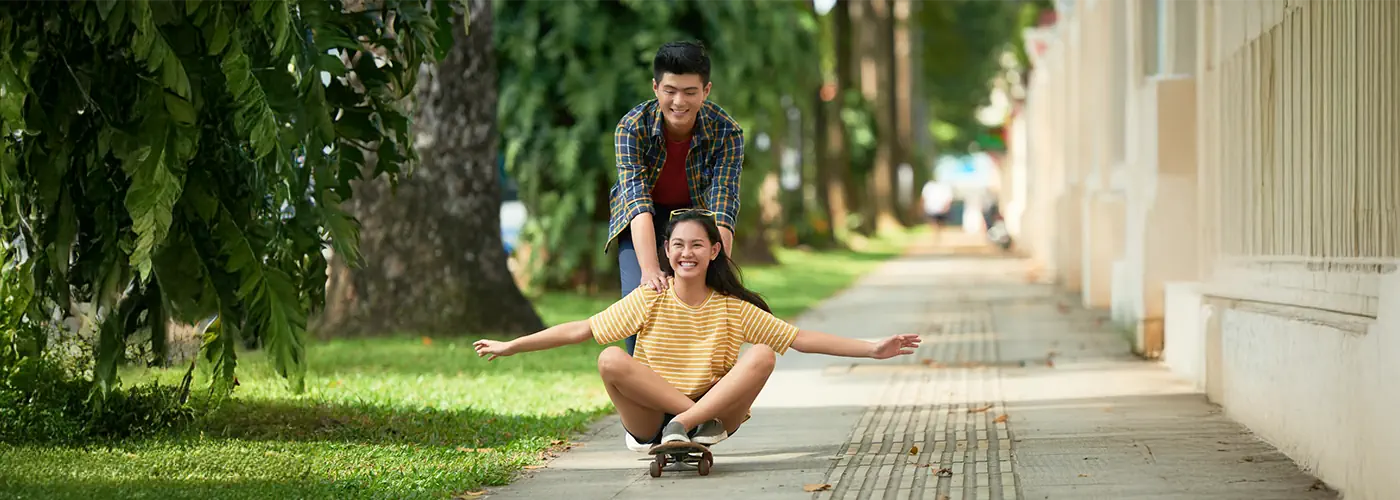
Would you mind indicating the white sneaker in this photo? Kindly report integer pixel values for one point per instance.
(632, 443)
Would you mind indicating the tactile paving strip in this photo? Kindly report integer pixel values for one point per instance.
(936, 433)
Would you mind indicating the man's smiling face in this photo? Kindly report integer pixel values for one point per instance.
(681, 97)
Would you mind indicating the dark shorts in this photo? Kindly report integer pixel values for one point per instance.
(627, 258)
(655, 438)
(665, 419)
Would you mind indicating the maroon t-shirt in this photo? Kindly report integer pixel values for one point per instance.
(672, 189)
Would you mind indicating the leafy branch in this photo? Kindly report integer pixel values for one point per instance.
(201, 179)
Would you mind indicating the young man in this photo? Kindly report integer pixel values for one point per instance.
(676, 151)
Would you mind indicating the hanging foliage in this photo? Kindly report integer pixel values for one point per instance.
(185, 160)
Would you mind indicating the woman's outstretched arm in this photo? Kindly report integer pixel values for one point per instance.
(815, 342)
(573, 332)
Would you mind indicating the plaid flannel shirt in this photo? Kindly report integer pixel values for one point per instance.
(712, 166)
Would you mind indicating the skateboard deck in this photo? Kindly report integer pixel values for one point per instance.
(681, 453)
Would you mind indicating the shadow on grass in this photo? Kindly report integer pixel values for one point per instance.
(298, 449)
(288, 421)
(173, 488)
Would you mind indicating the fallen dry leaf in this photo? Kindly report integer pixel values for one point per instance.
(944, 472)
(427, 341)
(1083, 475)
(1001, 419)
(979, 410)
(943, 497)
(469, 494)
(816, 487)
(914, 450)
(475, 450)
(533, 467)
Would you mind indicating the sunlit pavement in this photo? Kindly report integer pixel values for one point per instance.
(1016, 393)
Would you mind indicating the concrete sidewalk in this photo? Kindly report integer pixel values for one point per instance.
(1016, 393)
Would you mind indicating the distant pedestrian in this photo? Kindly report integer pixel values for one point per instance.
(937, 201)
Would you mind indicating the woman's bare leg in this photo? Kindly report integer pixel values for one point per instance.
(640, 395)
(731, 397)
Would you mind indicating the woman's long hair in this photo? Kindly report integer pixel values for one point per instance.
(723, 275)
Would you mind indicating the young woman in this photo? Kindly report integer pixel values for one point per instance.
(686, 380)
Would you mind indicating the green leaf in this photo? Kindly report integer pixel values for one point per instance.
(149, 46)
(157, 171)
(184, 280)
(344, 230)
(216, 34)
(180, 110)
(281, 20)
(104, 8)
(270, 298)
(220, 350)
(254, 118)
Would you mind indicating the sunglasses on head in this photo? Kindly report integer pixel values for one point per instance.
(700, 211)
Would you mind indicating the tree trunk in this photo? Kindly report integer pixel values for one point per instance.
(835, 168)
(752, 245)
(796, 223)
(434, 262)
(829, 193)
(904, 107)
(876, 72)
(771, 197)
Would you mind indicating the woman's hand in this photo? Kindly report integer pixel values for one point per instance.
(493, 348)
(897, 345)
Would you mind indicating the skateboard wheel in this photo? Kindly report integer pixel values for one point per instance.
(655, 468)
(704, 466)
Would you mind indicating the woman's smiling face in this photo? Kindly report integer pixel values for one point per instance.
(690, 250)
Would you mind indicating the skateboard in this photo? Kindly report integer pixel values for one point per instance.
(681, 453)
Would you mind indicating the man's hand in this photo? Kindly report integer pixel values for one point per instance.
(493, 348)
(897, 345)
(654, 278)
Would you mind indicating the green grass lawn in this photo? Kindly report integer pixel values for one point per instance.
(403, 417)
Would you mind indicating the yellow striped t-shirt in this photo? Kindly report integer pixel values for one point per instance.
(689, 346)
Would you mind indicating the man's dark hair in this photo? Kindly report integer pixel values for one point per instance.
(682, 58)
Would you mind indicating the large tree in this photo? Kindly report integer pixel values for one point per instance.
(434, 261)
(176, 161)
(873, 21)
